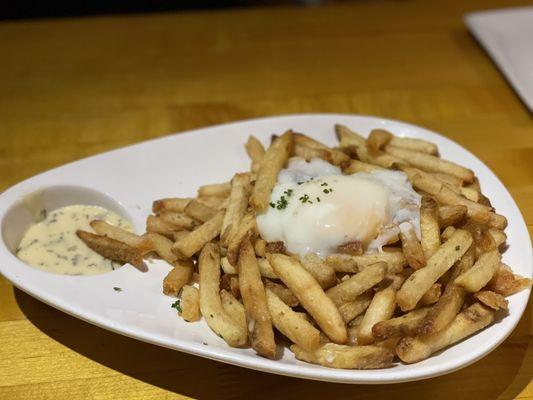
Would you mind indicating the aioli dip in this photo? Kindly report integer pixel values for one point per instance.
(52, 245)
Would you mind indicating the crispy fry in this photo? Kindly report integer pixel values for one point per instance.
(216, 202)
(448, 179)
(353, 309)
(246, 227)
(260, 247)
(275, 247)
(393, 257)
(114, 232)
(380, 309)
(498, 236)
(378, 157)
(431, 296)
(378, 139)
(335, 157)
(506, 283)
(227, 267)
(492, 299)
(170, 204)
(113, 249)
(241, 185)
(411, 247)
(162, 246)
(469, 321)
(219, 321)
(255, 303)
(418, 145)
(274, 159)
(215, 189)
(420, 281)
(352, 248)
(359, 283)
(464, 264)
(255, 151)
(177, 277)
(187, 246)
(290, 324)
(233, 308)
(178, 221)
(451, 215)
(199, 211)
(442, 313)
(157, 225)
(481, 272)
(358, 166)
(349, 357)
(429, 226)
(404, 325)
(190, 304)
(347, 137)
(323, 273)
(282, 292)
(310, 295)
(430, 163)
(266, 269)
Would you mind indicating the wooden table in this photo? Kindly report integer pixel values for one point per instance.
(75, 87)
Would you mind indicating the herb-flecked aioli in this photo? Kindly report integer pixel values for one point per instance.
(52, 244)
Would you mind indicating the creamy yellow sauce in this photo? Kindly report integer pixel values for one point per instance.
(52, 244)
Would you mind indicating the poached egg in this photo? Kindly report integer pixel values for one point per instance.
(314, 208)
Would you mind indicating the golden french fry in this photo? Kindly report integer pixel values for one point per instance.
(215, 189)
(378, 157)
(199, 211)
(378, 139)
(404, 325)
(266, 269)
(429, 226)
(188, 245)
(170, 204)
(347, 137)
(241, 185)
(177, 277)
(451, 215)
(290, 324)
(393, 257)
(469, 321)
(481, 272)
(353, 248)
(210, 302)
(420, 281)
(506, 283)
(380, 309)
(157, 225)
(431, 296)
(310, 295)
(411, 247)
(114, 232)
(418, 145)
(255, 151)
(464, 264)
(178, 221)
(247, 226)
(358, 166)
(498, 236)
(162, 246)
(492, 299)
(359, 283)
(233, 308)
(255, 303)
(323, 273)
(352, 309)
(448, 179)
(348, 357)
(260, 247)
(282, 292)
(442, 313)
(190, 304)
(274, 159)
(335, 157)
(113, 249)
(430, 163)
(216, 202)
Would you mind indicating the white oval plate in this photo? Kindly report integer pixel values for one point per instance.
(175, 166)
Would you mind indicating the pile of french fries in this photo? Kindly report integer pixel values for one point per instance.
(352, 309)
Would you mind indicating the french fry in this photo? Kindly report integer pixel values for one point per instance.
(215, 189)
(451, 215)
(377, 139)
(179, 221)
(199, 211)
(335, 157)
(113, 249)
(420, 281)
(170, 204)
(506, 283)
(177, 277)
(114, 232)
(358, 166)
(404, 325)
(233, 308)
(442, 313)
(246, 227)
(323, 273)
(190, 304)
(254, 299)
(162, 246)
(380, 309)
(431, 296)
(177, 235)
(419, 145)
(255, 151)
(187, 246)
(352, 309)
(274, 159)
(429, 226)
(347, 137)
(348, 357)
(393, 257)
(464, 264)
(359, 283)
(157, 225)
(351, 248)
(282, 292)
(230, 283)
(216, 202)
(290, 324)
(448, 179)
(266, 269)
(219, 321)
(260, 247)
(498, 236)
(379, 157)
(411, 247)
(492, 299)
(469, 321)
(310, 295)
(275, 247)
(308, 153)
(481, 272)
(430, 163)
(238, 202)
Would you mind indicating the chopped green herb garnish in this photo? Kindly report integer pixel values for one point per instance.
(324, 184)
(300, 183)
(457, 248)
(177, 305)
(282, 203)
(272, 205)
(318, 199)
(304, 198)
(117, 289)
(326, 191)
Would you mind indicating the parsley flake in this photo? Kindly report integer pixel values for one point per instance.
(117, 289)
(177, 305)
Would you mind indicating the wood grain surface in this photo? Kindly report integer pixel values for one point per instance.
(71, 88)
